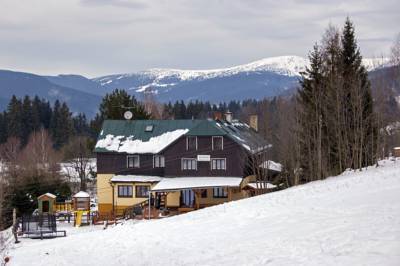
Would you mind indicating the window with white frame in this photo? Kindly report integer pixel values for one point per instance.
(218, 164)
(125, 191)
(159, 161)
(220, 192)
(133, 161)
(191, 143)
(142, 191)
(189, 164)
(217, 143)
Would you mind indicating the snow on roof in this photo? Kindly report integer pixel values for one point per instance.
(131, 145)
(271, 165)
(48, 195)
(135, 178)
(261, 185)
(81, 194)
(179, 183)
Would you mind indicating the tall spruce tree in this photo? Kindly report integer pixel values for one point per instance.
(113, 106)
(337, 128)
(311, 116)
(61, 127)
(27, 120)
(14, 118)
(3, 127)
(359, 104)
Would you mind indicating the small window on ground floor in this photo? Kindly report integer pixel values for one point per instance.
(125, 191)
(220, 192)
(142, 191)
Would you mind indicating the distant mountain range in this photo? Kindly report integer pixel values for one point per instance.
(264, 78)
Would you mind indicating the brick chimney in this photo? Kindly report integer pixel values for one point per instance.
(253, 121)
(217, 115)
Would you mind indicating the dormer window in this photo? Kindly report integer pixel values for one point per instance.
(149, 128)
(217, 143)
(191, 143)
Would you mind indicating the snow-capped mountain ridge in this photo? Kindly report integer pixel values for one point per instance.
(267, 77)
(284, 65)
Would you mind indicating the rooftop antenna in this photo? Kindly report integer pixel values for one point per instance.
(128, 115)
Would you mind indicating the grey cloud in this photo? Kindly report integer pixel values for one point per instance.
(97, 37)
(118, 3)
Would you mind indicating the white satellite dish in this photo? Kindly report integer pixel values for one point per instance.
(128, 115)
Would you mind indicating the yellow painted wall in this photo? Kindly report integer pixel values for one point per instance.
(104, 191)
(173, 199)
(104, 194)
(210, 200)
(129, 201)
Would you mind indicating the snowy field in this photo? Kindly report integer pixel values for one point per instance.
(353, 219)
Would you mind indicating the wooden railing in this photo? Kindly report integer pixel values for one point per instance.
(132, 211)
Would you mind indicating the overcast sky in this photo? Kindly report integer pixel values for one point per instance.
(99, 37)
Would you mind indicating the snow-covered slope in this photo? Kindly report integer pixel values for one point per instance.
(263, 78)
(352, 219)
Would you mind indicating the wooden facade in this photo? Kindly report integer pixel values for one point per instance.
(225, 146)
(116, 163)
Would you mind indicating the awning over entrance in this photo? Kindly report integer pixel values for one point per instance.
(135, 178)
(180, 183)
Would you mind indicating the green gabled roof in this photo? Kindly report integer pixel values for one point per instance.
(124, 130)
(206, 128)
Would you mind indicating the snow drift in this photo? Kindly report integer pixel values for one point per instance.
(352, 219)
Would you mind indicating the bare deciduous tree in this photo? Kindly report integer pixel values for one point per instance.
(78, 162)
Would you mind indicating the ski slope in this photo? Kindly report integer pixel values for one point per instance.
(352, 219)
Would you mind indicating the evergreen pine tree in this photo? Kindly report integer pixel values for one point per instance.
(113, 106)
(359, 111)
(311, 117)
(27, 120)
(14, 118)
(3, 127)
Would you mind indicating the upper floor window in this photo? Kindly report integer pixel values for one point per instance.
(218, 164)
(142, 191)
(125, 191)
(189, 164)
(159, 161)
(220, 192)
(133, 161)
(217, 143)
(191, 143)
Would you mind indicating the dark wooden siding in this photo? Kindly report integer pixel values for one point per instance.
(232, 152)
(115, 163)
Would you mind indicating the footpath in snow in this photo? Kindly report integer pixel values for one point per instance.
(352, 219)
